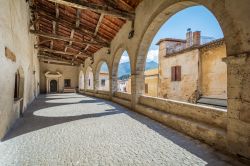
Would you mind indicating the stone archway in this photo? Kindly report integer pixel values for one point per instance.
(115, 65)
(89, 78)
(81, 80)
(52, 76)
(158, 18)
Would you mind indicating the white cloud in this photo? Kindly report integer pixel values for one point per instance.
(152, 55)
(124, 58)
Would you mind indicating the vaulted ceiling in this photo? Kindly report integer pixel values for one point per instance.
(69, 31)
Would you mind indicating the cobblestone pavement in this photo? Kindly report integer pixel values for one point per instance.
(71, 129)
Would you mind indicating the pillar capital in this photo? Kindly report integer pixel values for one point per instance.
(240, 59)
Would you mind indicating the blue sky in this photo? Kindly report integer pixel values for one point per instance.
(196, 18)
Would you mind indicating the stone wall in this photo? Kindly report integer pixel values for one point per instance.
(68, 72)
(14, 34)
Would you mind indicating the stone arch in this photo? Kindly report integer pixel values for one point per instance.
(97, 73)
(116, 59)
(162, 14)
(89, 78)
(81, 80)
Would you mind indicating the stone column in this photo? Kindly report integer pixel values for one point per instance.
(113, 84)
(238, 128)
(137, 88)
(96, 83)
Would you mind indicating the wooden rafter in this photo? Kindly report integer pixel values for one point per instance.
(105, 9)
(69, 25)
(96, 29)
(72, 30)
(62, 38)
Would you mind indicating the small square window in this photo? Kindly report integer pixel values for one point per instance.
(67, 83)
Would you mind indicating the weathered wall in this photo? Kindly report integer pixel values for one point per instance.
(213, 72)
(14, 34)
(68, 72)
(179, 90)
(152, 81)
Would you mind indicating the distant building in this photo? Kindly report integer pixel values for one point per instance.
(104, 81)
(189, 71)
(122, 85)
(151, 82)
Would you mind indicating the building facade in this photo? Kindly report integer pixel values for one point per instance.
(189, 71)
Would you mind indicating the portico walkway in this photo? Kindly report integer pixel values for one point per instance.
(71, 129)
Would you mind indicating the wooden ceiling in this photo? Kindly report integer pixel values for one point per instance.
(69, 31)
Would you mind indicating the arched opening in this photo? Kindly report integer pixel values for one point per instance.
(190, 66)
(81, 81)
(89, 78)
(124, 73)
(102, 76)
(53, 86)
(19, 84)
(19, 89)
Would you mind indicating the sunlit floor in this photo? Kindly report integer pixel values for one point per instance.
(71, 129)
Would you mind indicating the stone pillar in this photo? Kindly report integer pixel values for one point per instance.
(238, 127)
(113, 84)
(137, 88)
(96, 82)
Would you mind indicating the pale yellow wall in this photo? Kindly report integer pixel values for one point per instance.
(152, 79)
(14, 34)
(68, 72)
(128, 86)
(179, 90)
(214, 73)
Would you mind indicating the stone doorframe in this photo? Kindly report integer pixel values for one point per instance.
(52, 76)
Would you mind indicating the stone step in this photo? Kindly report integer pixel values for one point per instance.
(207, 133)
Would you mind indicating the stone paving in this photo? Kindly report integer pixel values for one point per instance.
(72, 129)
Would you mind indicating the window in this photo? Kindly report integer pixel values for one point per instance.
(17, 79)
(176, 73)
(67, 83)
(146, 88)
(103, 82)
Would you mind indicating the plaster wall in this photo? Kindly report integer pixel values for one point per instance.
(179, 90)
(152, 81)
(68, 72)
(14, 34)
(214, 72)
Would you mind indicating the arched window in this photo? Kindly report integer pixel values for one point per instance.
(124, 74)
(103, 76)
(81, 81)
(184, 60)
(90, 78)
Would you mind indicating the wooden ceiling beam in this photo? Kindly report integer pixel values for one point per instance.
(48, 56)
(105, 9)
(62, 38)
(82, 30)
(44, 49)
(96, 29)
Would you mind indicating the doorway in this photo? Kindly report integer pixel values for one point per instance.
(53, 86)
